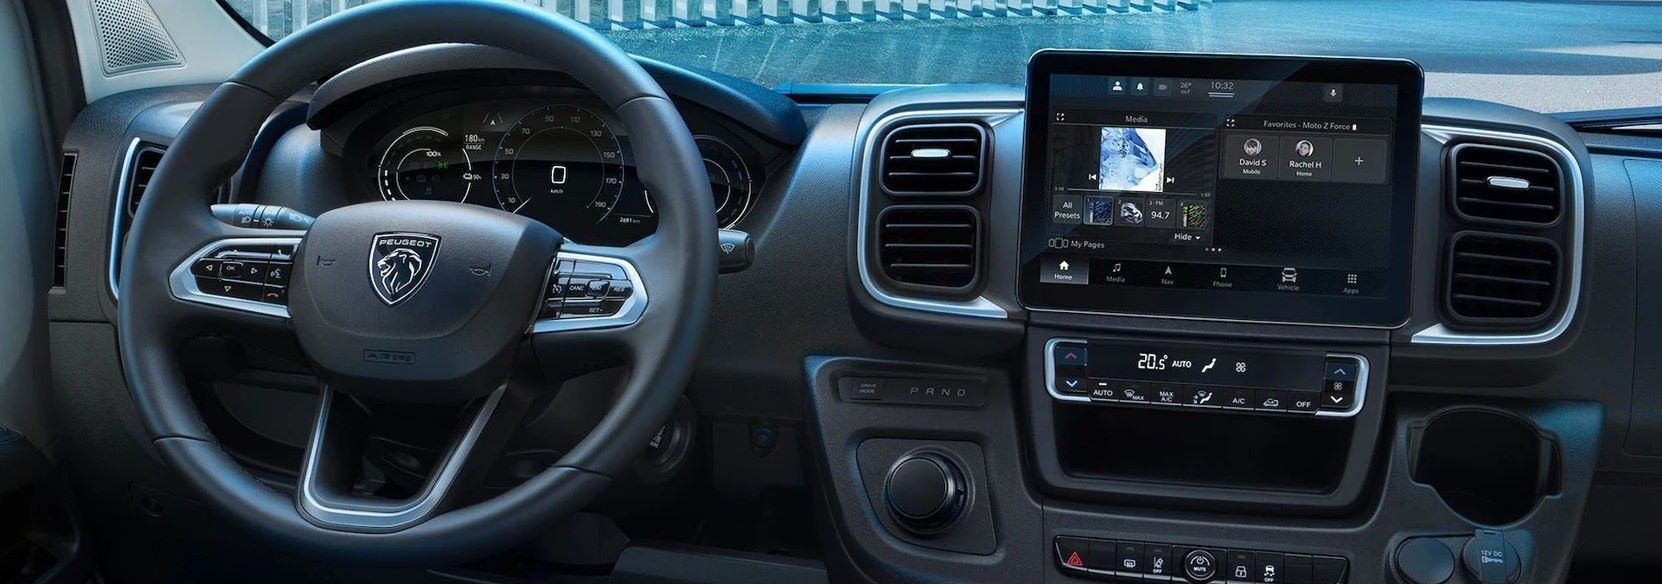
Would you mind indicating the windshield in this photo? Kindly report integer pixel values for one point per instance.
(1542, 55)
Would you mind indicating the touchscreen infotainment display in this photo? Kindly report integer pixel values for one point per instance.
(1241, 188)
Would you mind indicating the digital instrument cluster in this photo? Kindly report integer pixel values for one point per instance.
(564, 162)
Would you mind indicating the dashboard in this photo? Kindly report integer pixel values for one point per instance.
(1101, 318)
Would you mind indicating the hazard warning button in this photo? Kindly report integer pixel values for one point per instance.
(1072, 553)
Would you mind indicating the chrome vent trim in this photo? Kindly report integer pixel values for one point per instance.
(1575, 206)
(866, 165)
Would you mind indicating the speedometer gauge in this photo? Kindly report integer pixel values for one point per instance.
(561, 163)
(423, 163)
(730, 181)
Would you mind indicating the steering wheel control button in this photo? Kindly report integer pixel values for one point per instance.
(586, 289)
(205, 268)
(1200, 565)
(256, 273)
(925, 492)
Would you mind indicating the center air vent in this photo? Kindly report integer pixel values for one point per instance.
(931, 246)
(1501, 280)
(1506, 185)
(933, 160)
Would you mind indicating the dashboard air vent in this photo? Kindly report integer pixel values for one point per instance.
(933, 246)
(144, 167)
(66, 184)
(1506, 185)
(933, 160)
(1501, 280)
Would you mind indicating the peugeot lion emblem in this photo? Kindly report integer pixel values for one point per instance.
(399, 264)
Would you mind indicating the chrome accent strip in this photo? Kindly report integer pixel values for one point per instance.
(1437, 334)
(1508, 182)
(631, 311)
(979, 307)
(403, 515)
(118, 230)
(1356, 408)
(183, 284)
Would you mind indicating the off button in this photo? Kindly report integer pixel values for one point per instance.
(1200, 566)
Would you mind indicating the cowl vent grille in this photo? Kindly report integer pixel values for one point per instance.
(1502, 280)
(1506, 185)
(930, 246)
(934, 160)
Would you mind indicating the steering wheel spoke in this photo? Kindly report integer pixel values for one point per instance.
(336, 450)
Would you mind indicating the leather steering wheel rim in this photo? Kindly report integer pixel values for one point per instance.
(678, 263)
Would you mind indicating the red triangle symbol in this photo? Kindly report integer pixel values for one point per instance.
(1075, 561)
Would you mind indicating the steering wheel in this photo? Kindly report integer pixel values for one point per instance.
(416, 301)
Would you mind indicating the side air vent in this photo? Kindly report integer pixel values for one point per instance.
(60, 251)
(1501, 280)
(144, 167)
(1506, 185)
(931, 246)
(933, 160)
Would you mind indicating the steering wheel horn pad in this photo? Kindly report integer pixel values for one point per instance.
(418, 300)
(455, 325)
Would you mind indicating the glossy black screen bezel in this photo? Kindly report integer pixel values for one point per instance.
(1389, 310)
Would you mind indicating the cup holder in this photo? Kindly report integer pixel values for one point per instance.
(1488, 466)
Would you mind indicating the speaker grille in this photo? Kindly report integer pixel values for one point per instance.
(132, 38)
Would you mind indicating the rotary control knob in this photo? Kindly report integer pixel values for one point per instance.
(925, 492)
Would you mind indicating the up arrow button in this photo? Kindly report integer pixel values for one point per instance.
(1341, 370)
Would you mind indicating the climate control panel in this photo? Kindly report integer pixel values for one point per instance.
(1205, 377)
